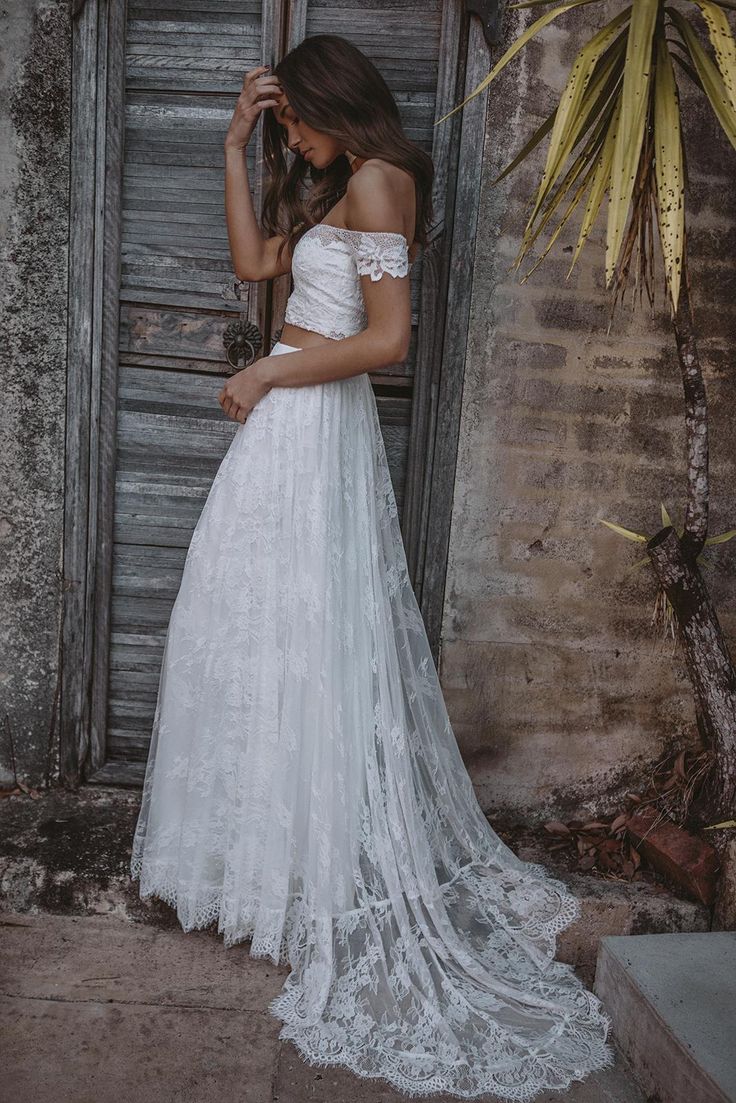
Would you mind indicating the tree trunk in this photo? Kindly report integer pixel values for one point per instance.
(674, 560)
(675, 564)
(696, 422)
(708, 662)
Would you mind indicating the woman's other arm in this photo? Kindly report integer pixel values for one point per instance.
(377, 206)
(375, 202)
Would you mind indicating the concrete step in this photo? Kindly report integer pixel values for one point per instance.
(671, 998)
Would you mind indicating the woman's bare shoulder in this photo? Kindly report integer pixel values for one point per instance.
(380, 196)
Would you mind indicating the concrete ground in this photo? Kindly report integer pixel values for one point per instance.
(105, 997)
(96, 1009)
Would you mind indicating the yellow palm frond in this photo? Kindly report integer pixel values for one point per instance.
(518, 44)
(722, 538)
(709, 75)
(638, 536)
(669, 170)
(617, 131)
(630, 134)
(599, 185)
(723, 45)
(580, 166)
(571, 112)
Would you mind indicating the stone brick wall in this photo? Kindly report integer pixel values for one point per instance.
(560, 692)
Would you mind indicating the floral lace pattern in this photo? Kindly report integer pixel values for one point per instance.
(378, 254)
(304, 787)
(327, 264)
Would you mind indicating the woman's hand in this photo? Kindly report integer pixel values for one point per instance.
(242, 392)
(257, 83)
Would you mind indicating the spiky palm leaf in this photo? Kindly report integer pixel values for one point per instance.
(617, 130)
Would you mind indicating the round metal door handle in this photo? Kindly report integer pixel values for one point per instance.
(242, 341)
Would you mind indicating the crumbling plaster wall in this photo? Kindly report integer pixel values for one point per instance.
(34, 226)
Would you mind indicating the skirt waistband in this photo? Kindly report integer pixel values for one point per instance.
(281, 346)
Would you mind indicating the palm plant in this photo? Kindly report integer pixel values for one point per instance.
(617, 131)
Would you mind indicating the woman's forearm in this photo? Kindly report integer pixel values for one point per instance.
(243, 231)
(363, 352)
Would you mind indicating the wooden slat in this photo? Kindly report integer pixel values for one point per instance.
(125, 773)
(173, 333)
(84, 276)
(111, 70)
(435, 260)
(183, 71)
(226, 10)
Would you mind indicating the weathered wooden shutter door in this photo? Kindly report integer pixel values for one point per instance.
(183, 69)
(184, 65)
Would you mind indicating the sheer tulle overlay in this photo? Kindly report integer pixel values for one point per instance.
(304, 786)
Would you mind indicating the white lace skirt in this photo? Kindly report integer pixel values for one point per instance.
(304, 786)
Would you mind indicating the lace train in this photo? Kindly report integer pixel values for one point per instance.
(304, 786)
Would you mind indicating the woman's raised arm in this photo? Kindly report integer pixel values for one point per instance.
(253, 256)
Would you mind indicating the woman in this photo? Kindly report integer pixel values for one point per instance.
(304, 786)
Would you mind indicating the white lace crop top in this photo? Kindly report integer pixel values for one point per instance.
(326, 266)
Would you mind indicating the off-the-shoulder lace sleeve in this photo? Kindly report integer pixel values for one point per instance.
(379, 253)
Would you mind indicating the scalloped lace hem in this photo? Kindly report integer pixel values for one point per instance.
(542, 1069)
(486, 1089)
(207, 908)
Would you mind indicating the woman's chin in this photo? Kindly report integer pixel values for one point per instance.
(320, 160)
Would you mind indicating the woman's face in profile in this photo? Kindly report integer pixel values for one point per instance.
(317, 148)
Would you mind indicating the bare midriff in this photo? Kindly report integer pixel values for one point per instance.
(303, 338)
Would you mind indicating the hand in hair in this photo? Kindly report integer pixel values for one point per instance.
(260, 90)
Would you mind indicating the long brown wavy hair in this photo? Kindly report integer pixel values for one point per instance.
(335, 89)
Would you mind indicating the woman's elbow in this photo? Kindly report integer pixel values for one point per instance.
(246, 274)
(250, 268)
(401, 349)
(394, 348)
